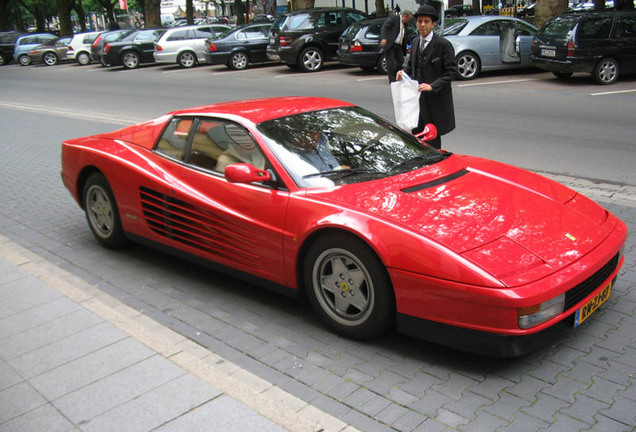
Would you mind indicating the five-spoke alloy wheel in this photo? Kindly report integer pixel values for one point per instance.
(101, 211)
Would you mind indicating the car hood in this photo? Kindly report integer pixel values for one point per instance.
(490, 213)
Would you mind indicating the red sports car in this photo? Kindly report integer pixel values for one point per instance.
(321, 197)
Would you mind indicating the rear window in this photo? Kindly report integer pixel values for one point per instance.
(559, 28)
(351, 31)
(454, 26)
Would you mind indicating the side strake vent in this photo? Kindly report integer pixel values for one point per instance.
(210, 233)
(437, 182)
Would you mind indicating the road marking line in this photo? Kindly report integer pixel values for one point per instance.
(499, 82)
(371, 79)
(613, 92)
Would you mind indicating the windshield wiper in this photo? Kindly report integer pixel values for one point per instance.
(343, 172)
(421, 161)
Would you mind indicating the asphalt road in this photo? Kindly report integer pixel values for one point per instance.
(527, 118)
(584, 381)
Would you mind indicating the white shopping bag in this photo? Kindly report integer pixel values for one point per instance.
(406, 102)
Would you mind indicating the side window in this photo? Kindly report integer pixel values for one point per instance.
(373, 32)
(202, 33)
(626, 27)
(488, 29)
(334, 19)
(240, 35)
(178, 35)
(524, 30)
(174, 140)
(241, 148)
(595, 28)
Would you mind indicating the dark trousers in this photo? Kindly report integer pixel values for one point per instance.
(394, 57)
(425, 118)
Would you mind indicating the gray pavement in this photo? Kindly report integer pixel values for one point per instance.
(266, 357)
(73, 358)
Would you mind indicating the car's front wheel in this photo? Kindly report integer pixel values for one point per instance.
(382, 65)
(348, 286)
(49, 58)
(606, 71)
(83, 58)
(101, 211)
(187, 59)
(311, 59)
(24, 60)
(238, 61)
(468, 65)
(130, 60)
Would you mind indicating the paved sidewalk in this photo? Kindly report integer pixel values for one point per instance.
(73, 358)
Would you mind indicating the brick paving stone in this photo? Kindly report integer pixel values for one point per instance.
(450, 418)
(621, 410)
(430, 403)
(602, 389)
(545, 407)
(455, 386)
(409, 421)
(565, 388)
(565, 423)
(492, 387)
(431, 425)
(483, 422)
(507, 406)
(605, 424)
(583, 372)
(584, 408)
(391, 413)
(468, 405)
(523, 423)
(384, 382)
(548, 371)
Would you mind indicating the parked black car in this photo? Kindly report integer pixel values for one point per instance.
(600, 43)
(7, 45)
(239, 47)
(359, 44)
(309, 37)
(459, 11)
(131, 50)
(109, 36)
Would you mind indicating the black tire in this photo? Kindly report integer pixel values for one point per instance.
(24, 60)
(83, 58)
(101, 212)
(2, 60)
(468, 65)
(130, 60)
(562, 75)
(606, 71)
(311, 59)
(348, 286)
(49, 58)
(187, 59)
(381, 66)
(238, 60)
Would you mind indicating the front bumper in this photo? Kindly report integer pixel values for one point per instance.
(485, 320)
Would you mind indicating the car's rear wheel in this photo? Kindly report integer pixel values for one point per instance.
(562, 75)
(238, 61)
(348, 286)
(49, 58)
(468, 65)
(83, 58)
(187, 59)
(606, 71)
(311, 59)
(2, 60)
(130, 60)
(101, 211)
(24, 60)
(382, 65)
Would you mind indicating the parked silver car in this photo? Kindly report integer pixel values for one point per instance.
(186, 45)
(485, 43)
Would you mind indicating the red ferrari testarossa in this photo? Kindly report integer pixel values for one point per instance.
(375, 227)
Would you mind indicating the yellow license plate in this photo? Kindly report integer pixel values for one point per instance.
(594, 303)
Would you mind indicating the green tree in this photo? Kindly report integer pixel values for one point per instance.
(64, 8)
(39, 10)
(152, 9)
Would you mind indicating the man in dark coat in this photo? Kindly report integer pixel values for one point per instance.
(393, 40)
(432, 64)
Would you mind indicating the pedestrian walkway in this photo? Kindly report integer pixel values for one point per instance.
(73, 358)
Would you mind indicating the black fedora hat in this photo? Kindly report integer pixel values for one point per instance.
(427, 10)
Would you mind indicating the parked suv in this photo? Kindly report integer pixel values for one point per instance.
(309, 37)
(186, 45)
(600, 43)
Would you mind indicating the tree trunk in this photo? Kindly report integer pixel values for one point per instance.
(379, 8)
(547, 9)
(4, 14)
(81, 15)
(153, 13)
(301, 4)
(64, 8)
(239, 11)
(189, 12)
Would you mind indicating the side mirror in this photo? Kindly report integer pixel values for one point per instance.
(245, 173)
(429, 133)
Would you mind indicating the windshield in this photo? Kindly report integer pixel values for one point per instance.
(342, 146)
